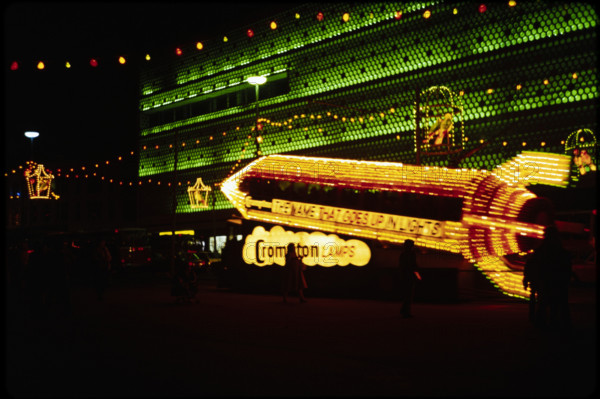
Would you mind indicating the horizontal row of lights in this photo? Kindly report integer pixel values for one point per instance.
(489, 91)
(76, 172)
(122, 60)
(41, 65)
(264, 121)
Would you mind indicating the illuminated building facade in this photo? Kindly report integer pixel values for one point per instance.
(352, 81)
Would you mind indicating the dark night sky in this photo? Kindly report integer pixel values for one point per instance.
(85, 114)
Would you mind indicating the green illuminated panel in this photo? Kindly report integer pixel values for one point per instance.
(374, 63)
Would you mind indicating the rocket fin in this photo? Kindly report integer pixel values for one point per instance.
(531, 167)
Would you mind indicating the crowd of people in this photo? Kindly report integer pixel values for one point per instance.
(40, 274)
(41, 271)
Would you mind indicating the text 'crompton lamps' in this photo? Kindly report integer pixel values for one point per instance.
(31, 135)
(257, 81)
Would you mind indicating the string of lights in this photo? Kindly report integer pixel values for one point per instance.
(95, 169)
(123, 60)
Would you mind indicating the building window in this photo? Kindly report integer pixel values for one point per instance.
(242, 95)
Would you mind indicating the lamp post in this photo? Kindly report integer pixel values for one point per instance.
(31, 135)
(256, 81)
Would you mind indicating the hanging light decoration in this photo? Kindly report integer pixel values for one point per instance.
(39, 182)
(198, 194)
(582, 146)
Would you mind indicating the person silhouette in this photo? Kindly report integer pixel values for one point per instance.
(555, 277)
(102, 268)
(293, 276)
(409, 274)
(532, 280)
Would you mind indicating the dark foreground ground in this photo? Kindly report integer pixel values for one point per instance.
(139, 343)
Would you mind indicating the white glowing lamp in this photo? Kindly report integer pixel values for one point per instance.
(31, 134)
(256, 80)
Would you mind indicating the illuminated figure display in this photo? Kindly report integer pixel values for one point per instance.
(439, 125)
(483, 215)
(581, 144)
(584, 162)
(439, 131)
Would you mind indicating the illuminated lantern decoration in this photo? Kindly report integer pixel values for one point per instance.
(93, 62)
(39, 182)
(41, 65)
(483, 215)
(14, 66)
(198, 194)
(439, 125)
(249, 33)
(581, 145)
(320, 16)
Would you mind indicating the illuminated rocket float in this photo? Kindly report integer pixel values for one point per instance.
(482, 215)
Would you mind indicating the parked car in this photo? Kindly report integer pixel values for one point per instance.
(198, 260)
(202, 260)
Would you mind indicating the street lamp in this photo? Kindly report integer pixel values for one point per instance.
(31, 135)
(256, 81)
